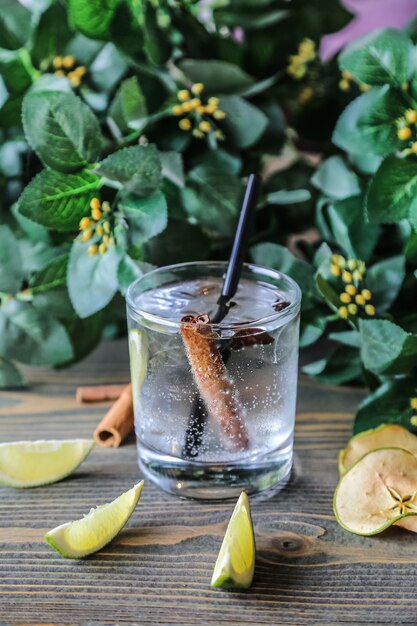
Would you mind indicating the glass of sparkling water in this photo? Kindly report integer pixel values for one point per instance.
(214, 403)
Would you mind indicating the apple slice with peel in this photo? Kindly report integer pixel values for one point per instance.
(379, 490)
(387, 435)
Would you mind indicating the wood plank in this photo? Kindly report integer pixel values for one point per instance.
(308, 571)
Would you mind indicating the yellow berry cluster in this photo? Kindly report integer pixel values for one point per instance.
(97, 226)
(67, 66)
(406, 129)
(352, 271)
(298, 63)
(346, 81)
(196, 115)
(413, 405)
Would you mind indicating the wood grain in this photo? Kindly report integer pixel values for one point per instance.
(157, 571)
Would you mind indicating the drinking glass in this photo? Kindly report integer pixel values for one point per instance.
(214, 403)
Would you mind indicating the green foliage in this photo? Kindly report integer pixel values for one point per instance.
(367, 210)
(381, 58)
(219, 77)
(367, 122)
(31, 336)
(93, 18)
(61, 129)
(392, 192)
(136, 169)
(93, 125)
(388, 404)
(59, 201)
(92, 280)
(11, 266)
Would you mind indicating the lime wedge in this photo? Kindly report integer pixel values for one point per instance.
(34, 463)
(138, 351)
(235, 564)
(77, 539)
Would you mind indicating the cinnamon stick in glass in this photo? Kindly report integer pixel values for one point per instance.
(211, 377)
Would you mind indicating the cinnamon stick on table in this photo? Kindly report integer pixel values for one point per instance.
(99, 393)
(118, 422)
(211, 377)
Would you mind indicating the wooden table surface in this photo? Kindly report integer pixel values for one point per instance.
(158, 570)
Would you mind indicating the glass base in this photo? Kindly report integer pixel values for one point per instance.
(216, 481)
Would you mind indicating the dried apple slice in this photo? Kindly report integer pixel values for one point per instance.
(379, 490)
(387, 435)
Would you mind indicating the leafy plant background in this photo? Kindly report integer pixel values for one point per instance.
(335, 160)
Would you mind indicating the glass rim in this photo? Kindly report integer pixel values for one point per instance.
(288, 313)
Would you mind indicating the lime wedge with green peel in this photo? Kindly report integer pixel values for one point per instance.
(235, 564)
(138, 351)
(33, 463)
(387, 435)
(78, 539)
(378, 491)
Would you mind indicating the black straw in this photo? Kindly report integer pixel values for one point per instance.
(198, 415)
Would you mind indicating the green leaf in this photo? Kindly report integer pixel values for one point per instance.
(108, 67)
(47, 39)
(146, 217)
(380, 58)
(335, 179)
(367, 125)
(386, 348)
(244, 123)
(341, 366)
(280, 258)
(347, 337)
(180, 242)
(366, 163)
(53, 275)
(16, 70)
(15, 22)
(327, 290)
(392, 194)
(136, 169)
(346, 222)
(129, 270)
(85, 334)
(11, 266)
(221, 159)
(389, 404)
(55, 302)
(217, 76)
(157, 43)
(313, 325)
(288, 196)
(59, 201)
(128, 108)
(92, 280)
(252, 18)
(384, 279)
(50, 82)
(36, 254)
(93, 18)
(31, 229)
(213, 199)
(9, 375)
(31, 336)
(410, 248)
(172, 167)
(61, 129)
